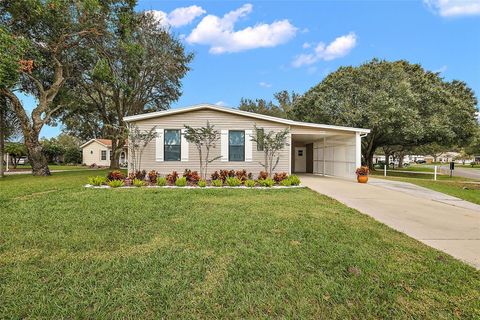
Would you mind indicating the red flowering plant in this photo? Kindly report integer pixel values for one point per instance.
(362, 171)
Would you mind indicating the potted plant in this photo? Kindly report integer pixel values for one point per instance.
(362, 174)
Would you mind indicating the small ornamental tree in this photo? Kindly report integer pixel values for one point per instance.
(137, 141)
(271, 143)
(16, 151)
(204, 139)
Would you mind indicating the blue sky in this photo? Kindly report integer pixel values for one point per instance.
(253, 49)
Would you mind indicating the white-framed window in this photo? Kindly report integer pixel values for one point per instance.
(172, 148)
(236, 145)
(104, 155)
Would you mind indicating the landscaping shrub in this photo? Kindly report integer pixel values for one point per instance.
(286, 182)
(250, 183)
(263, 175)
(161, 181)
(172, 177)
(269, 182)
(192, 176)
(138, 183)
(280, 176)
(224, 174)
(152, 176)
(215, 175)
(202, 183)
(241, 175)
(97, 181)
(181, 182)
(115, 183)
(217, 183)
(233, 182)
(294, 180)
(115, 175)
(140, 174)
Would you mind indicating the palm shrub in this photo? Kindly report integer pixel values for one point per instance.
(250, 183)
(294, 179)
(116, 183)
(97, 181)
(233, 181)
(161, 181)
(217, 183)
(269, 182)
(181, 182)
(286, 182)
(138, 183)
(202, 183)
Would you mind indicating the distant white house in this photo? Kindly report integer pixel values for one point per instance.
(99, 152)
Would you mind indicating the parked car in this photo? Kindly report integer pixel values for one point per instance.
(420, 161)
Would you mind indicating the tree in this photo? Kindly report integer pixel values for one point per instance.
(16, 151)
(8, 127)
(137, 142)
(72, 156)
(280, 109)
(403, 105)
(271, 143)
(50, 33)
(52, 150)
(135, 68)
(203, 138)
(463, 156)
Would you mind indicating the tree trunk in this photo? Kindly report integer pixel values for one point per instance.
(36, 157)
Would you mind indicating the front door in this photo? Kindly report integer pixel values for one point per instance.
(300, 159)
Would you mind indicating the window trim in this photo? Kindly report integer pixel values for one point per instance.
(244, 137)
(179, 145)
(101, 155)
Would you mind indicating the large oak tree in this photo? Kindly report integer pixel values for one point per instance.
(50, 31)
(135, 68)
(403, 104)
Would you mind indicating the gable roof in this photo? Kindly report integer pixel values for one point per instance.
(205, 106)
(105, 142)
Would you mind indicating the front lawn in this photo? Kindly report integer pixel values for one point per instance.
(71, 252)
(27, 167)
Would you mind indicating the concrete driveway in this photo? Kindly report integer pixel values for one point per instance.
(435, 220)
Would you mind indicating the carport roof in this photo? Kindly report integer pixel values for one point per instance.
(206, 106)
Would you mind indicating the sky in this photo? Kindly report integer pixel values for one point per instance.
(253, 49)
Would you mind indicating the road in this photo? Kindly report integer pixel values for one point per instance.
(463, 172)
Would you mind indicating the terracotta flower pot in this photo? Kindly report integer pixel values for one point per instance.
(362, 179)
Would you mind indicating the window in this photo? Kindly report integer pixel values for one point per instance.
(104, 155)
(236, 146)
(172, 145)
(300, 153)
(260, 134)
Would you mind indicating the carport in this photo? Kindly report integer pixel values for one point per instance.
(326, 150)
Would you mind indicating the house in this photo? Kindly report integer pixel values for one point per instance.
(98, 152)
(312, 148)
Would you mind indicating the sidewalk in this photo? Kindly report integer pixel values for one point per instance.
(440, 221)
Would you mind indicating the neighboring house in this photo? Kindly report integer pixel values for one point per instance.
(314, 148)
(98, 152)
(449, 157)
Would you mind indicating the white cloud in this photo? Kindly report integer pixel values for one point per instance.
(221, 103)
(265, 84)
(338, 48)
(442, 69)
(306, 45)
(220, 35)
(454, 8)
(178, 17)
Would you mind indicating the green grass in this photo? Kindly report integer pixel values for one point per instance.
(463, 188)
(72, 252)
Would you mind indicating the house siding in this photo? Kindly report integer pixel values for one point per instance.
(221, 121)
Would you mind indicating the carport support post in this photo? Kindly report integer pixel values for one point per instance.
(324, 143)
(358, 150)
(384, 170)
(435, 173)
